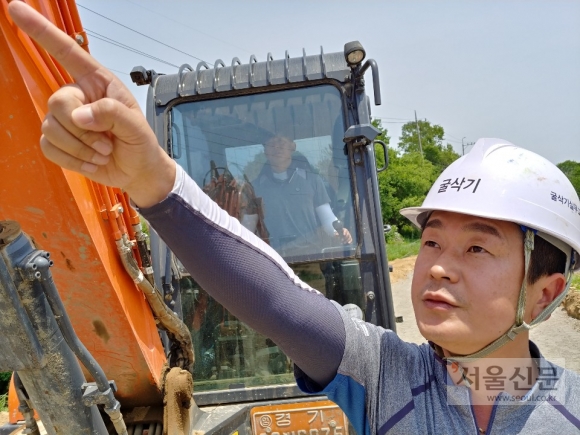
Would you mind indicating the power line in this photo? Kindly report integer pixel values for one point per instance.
(465, 145)
(185, 25)
(133, 51)
(453, 136)
(117, 71)
(142, 34)
(96, 35)
(448, 137)
(387, 120)
(104, 38)
(388, 117)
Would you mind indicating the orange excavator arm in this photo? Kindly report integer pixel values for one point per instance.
(72, 217)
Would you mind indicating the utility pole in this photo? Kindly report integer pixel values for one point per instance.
(419, 134)
(465, 145)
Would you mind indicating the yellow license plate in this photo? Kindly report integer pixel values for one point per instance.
(302, 418)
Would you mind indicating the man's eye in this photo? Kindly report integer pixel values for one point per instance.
(431, 244)
(476, 249)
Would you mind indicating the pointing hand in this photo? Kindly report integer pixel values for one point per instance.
(95, 126)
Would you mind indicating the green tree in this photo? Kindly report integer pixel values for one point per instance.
(572, 171)
(4, 381)
(404, 184)
(431, 135)
(383, 136)
(435, 151)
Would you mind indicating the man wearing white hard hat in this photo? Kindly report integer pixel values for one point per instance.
(500, 236)
(501, 232)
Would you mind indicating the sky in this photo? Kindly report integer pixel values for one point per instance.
(507, 69)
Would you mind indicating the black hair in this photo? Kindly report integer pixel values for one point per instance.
(546, 260)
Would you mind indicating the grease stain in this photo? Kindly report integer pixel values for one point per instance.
(101, 330)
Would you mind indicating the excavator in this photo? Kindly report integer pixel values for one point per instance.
(103, 328)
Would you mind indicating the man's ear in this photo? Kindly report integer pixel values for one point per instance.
(550, 287)
(293, 146)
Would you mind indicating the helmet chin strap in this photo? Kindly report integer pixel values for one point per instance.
(519, 325)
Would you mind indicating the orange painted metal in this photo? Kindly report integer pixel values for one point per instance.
(321, 417)
(72, 217)
(14, 415)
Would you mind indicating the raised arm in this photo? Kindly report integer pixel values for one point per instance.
(250, 279)
(95, 127)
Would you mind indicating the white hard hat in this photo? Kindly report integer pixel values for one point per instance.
(498, 180)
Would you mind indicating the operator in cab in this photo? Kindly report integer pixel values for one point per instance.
(295, 202)
(498, 250)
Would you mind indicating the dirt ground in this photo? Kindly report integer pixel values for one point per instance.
(3, 418)
(402, 267)
(572, 304)
(558, 338)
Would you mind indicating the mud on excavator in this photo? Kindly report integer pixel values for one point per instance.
(100, 322)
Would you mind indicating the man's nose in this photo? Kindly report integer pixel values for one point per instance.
(445, 268)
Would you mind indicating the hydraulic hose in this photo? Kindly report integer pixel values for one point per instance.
(112, 406)
(167, 319)
(141, 239)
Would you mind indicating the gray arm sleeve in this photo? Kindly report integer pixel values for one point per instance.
(250, 279)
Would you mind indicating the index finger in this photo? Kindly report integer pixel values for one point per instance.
(57, 43)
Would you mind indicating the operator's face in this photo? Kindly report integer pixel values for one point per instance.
(467, 280)
(279, 152)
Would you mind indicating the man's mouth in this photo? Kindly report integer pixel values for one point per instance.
(438, 301)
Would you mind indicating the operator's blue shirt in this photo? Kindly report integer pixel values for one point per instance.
(290, 204)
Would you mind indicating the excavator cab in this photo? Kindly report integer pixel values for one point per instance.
(217, 123)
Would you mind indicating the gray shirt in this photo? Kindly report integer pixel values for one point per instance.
(383, 384)
(386, 385)
(290, 204)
